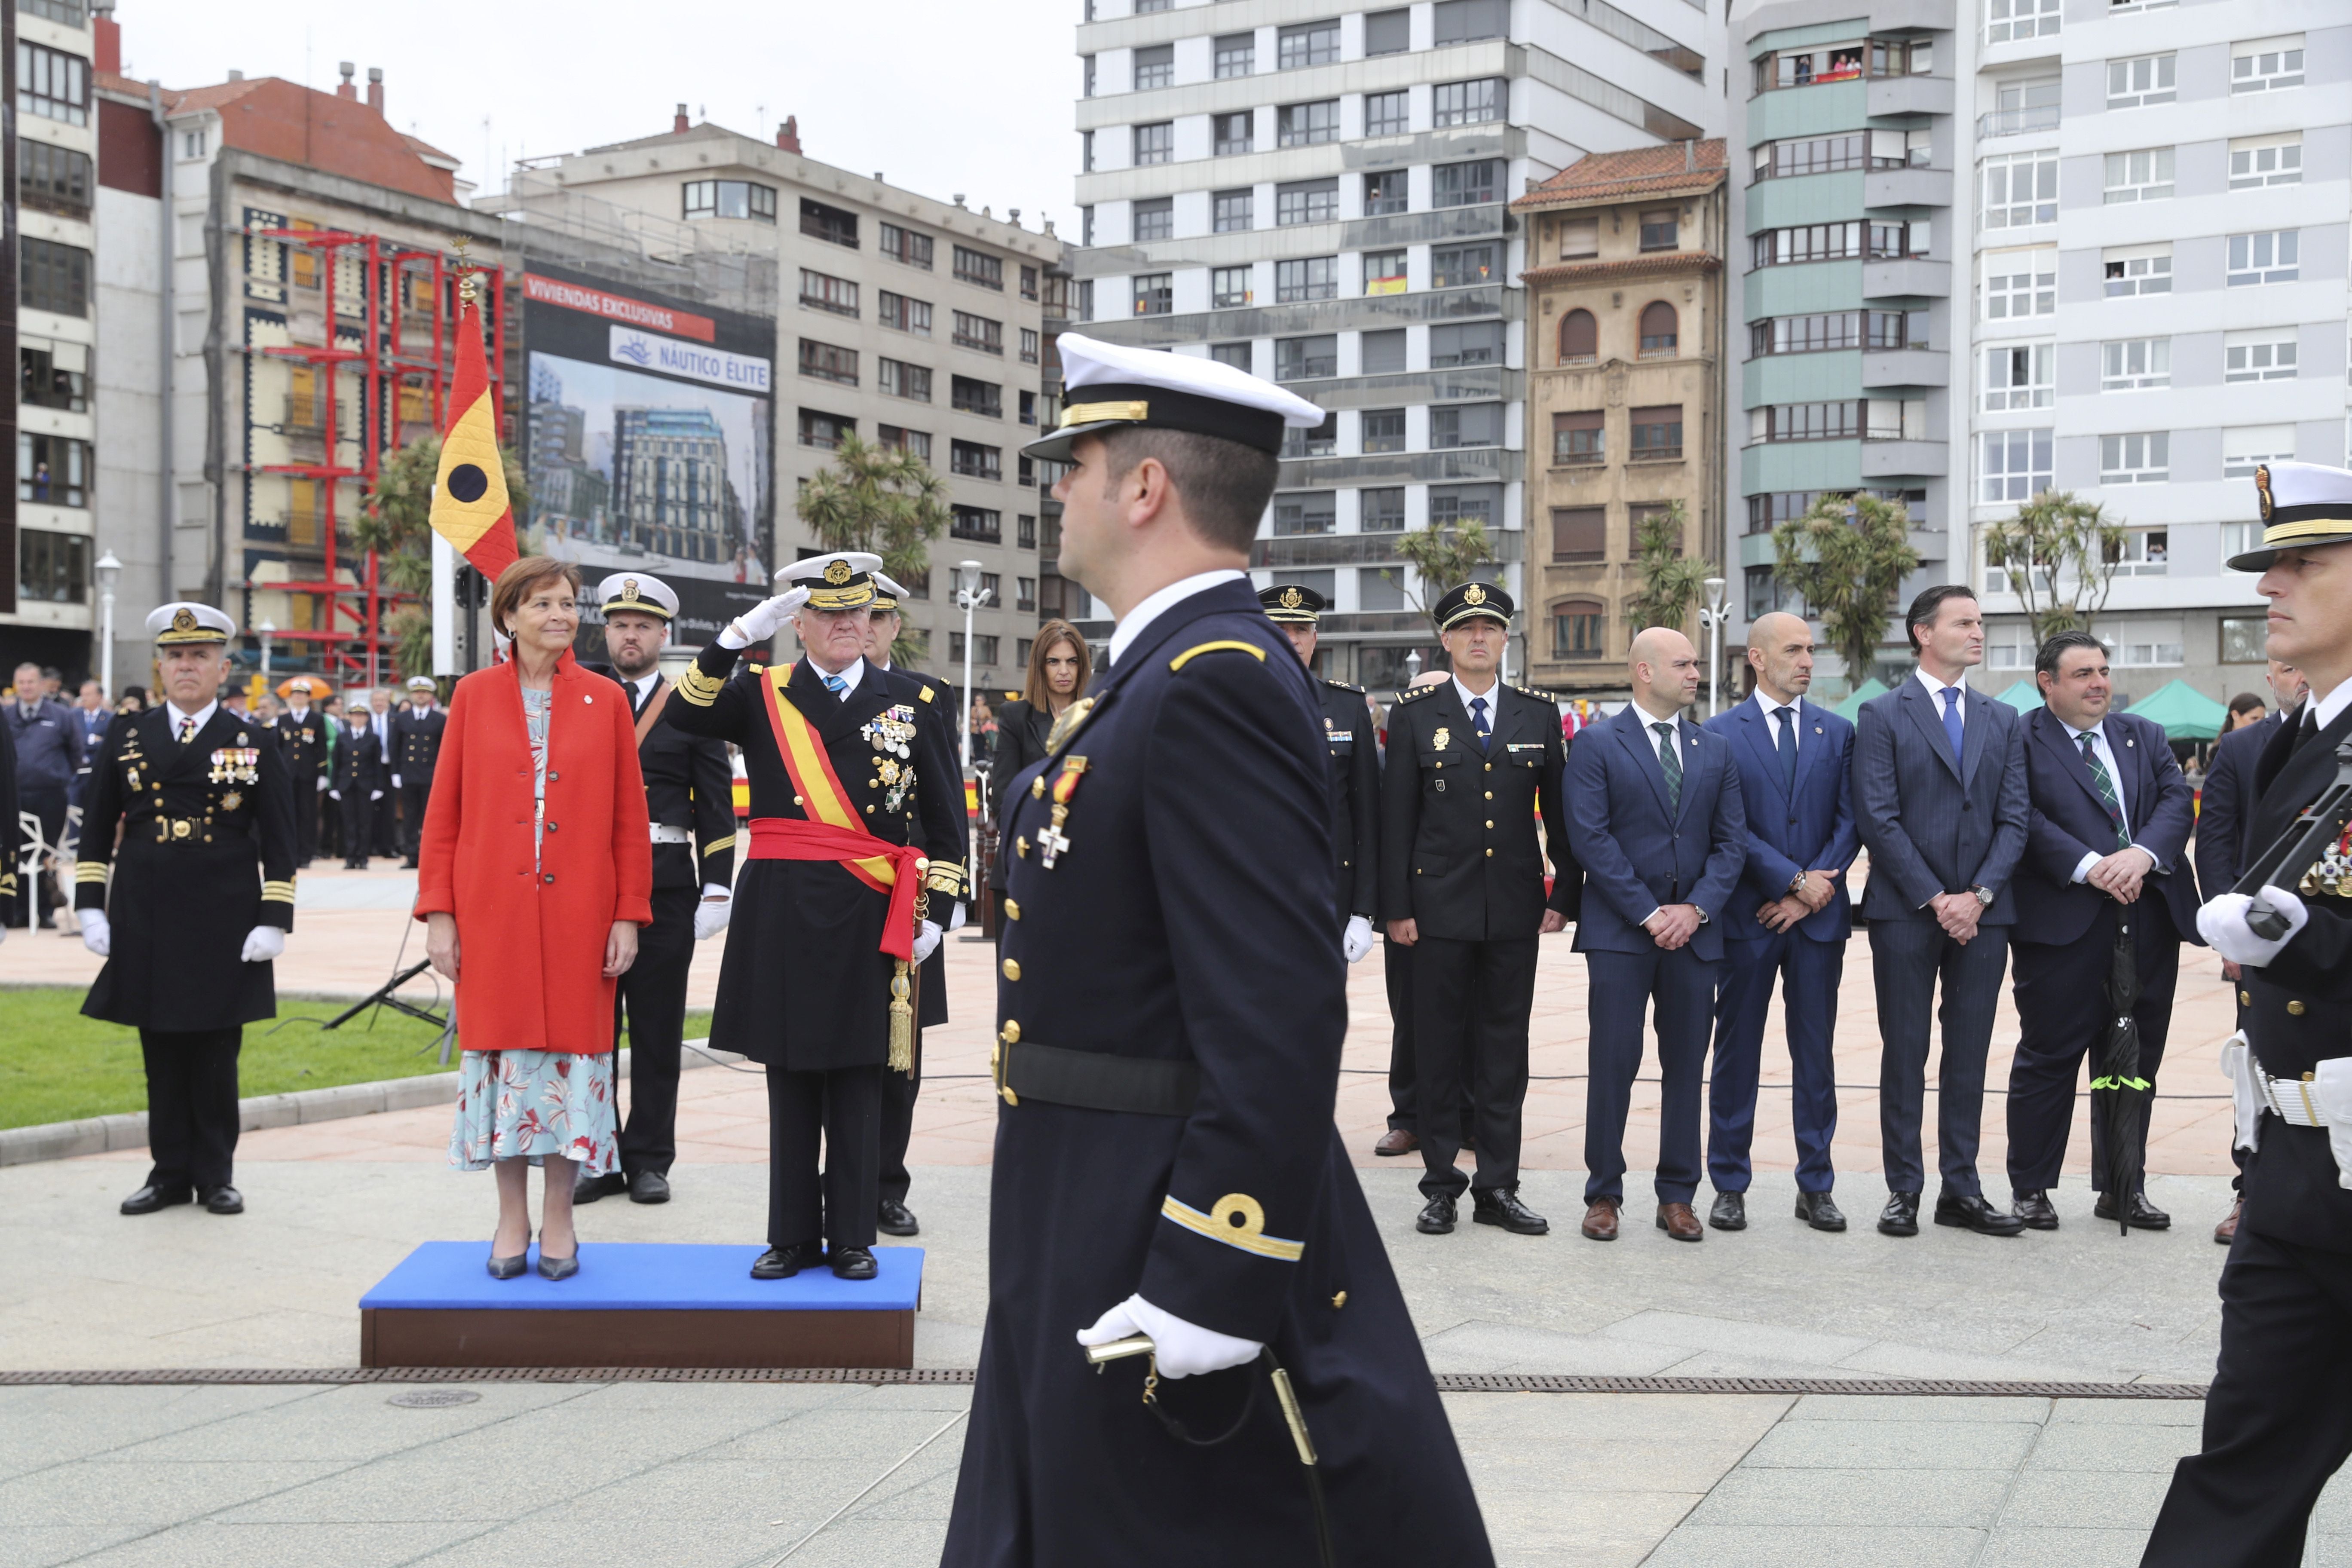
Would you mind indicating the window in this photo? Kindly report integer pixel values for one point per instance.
(1768, 512)
(1384, 429)
(1844, 62)
(1463, 266)
(984, 398)
(1465, 342)
(1305, 359)
(2019, 375)
(1467, 185)
(1450, 506)
(2266, 354)
(53, 568)
(65, 13)
(2259, 161)
(1087, 152)
(1230, 211)
(1379, 510)
(2135, 365)
(55, 277)
(832, 225)
(1088, 60)
(1580, 238)
(2020, 283)
(1305, 512)
(1659, 330)
(1580, 338)
(2137, 83)
(2019, 189)
(828, 361)
(1657, 434)
(1305, 124)
(1307, 201)
(2262, 65)
(2246, 447)
(1385, 193)
(1028, 345)
(1579, 533)
(977, 266)
(899, 379)
(983, 643)
(1155, 66)
(52, 469)
(56, 377)
(1308, 44)
(1235, 55)
(1815, 155)
(2141, 458)
(1380, 588)
(975, 461)
(1660, 230)
(1027, 414)
(2011, 21)
(1028, 283)
(974, 523)
(56, 85)
(192, 144)
(1155, 143)
(1809, 242)
(2157, 647)
(1577, 630)
(1466, 21)
(1319, 442)
(1465, 424)
(904, 314)
(2254, 259)
(1805, 422)
(1387, 113)
(1155, 293)
(1233, 133)
(1234, 354)
(1384, 272)
(1466, 102)
(1805, 334)
(1388, 31)
(2015, 466)
(730, 198)
(1025, 589)
(979, 332)
(1154, 219)
(1381, 353)
(2245, 639)
(1577, 437)
(1229, 289)
(906, 247)
(2131, 271)
(820, 291)
(53, 179)
(825, 430)
(2145, 176)
(914, 443)
(1313, 278)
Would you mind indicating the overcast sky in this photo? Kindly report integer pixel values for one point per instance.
(941, 96)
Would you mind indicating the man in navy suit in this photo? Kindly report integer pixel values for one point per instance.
(2104, 850)
(1788, 919)
(1654, 818)
(1940, 794)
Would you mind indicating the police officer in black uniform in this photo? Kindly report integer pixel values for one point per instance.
(689, 804)
(415, 748)
(2278, 1420)
(201, 900)
(356, 782)
(1470, 764)
(1355, 767)
(302, 736)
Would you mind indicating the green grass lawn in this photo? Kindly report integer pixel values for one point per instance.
(57, 1065)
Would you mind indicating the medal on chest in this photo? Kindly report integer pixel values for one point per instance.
(2332, 876)
(1054, 843)
(889, 732)
(235, 764)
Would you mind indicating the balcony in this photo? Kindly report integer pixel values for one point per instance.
(1912, 94)
(1906, 188)
(2017, 121)
(1909, 278)
(1905, 459)
(1906, 367)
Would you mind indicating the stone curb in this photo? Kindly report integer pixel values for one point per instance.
(128, 1130)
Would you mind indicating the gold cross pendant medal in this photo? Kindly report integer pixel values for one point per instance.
(1053, 840)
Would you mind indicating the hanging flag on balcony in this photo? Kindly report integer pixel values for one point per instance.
(469, 497)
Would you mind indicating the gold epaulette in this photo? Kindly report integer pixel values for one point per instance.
(1415, 693)
(1190, 654)
(274, 891)
(924, 695)
(1343, 686)
(699, 689)
(1538, 693)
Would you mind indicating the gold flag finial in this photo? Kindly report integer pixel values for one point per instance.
(466, 288)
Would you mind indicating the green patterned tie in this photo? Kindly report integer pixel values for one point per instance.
(2106, 788)
(1669, 760)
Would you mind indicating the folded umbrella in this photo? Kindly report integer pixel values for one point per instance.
(2118, 1090)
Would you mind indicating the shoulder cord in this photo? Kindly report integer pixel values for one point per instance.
(1293, 1418)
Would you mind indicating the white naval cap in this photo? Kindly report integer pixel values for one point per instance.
(185, 621)
(422, 683)
(836, 580)
(636, 591)
(2301, 504)
(1106, 384)
(889, 591)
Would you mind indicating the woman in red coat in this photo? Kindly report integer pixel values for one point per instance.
(537, 868)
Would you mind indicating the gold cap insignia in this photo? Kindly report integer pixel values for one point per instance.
(1291, 598)
(628, 587)
(2262, 488)
(1474, 595)
(185, 620)
(838, 573)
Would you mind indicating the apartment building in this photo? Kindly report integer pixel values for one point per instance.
(913, 322)
(1322, 198)
(1624, 392)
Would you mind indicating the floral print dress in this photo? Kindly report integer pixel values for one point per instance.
(525, 1104)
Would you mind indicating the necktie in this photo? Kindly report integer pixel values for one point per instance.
(1478, 720)
(1787, 717)
(1951, 695)
(2105, 784)
(2307, 727)
(837, 686)
(1670, 760)
(187, 730)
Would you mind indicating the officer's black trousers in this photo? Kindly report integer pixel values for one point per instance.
(307, 796)
(844, 1104)
(652, 991)
(413, 796)
(354, 810)
(1470, 1006)
(898, 1092)
(2278, 1422)
(1404, 1070)
(192, 1118)
(388, 840)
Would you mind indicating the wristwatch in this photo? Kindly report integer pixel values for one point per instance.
(1985, 896)
(1797, 883)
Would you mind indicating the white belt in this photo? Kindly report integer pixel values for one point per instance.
(2290, 1099)
(664, 834)
(2323, 1098)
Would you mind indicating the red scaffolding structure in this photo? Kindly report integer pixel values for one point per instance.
(351, 640)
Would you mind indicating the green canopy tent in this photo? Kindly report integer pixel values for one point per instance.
(2024, 696)
(2186, 713)
(1850, 707)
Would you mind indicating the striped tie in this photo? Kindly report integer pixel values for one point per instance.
(1672, 762)
(2106, 788)
(187, 730)
(836, 685)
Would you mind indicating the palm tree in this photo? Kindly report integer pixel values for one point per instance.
(883, 499)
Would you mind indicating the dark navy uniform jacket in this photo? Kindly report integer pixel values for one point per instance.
(1355, 796)
(1189, 919)
(931, 991)
(416, 743)
(690, 784)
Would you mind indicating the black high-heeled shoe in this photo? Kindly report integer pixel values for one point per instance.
(509, 1268)
(558, 1267)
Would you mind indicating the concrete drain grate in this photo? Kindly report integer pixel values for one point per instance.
(433, 1398)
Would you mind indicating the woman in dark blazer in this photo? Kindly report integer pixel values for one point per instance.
(1059, 665)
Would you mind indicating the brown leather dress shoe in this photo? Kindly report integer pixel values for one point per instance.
(1397, 1140)
(2225, 1233)
(1600, 1219)
(1677, 1221)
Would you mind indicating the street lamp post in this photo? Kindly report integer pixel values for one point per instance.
(1713, 616)
(970, 596)
(107, 570)
(1412, 667)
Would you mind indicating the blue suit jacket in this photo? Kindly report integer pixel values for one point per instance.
(2068, 820)
(1933, 826)
(2227, 802)
(1813, 831)
(1636, 854)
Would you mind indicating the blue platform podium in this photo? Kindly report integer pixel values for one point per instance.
(639, 1304)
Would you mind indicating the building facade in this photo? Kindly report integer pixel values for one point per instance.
(1625, 383)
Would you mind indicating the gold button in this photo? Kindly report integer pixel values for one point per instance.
(1490, 821)
(1012, 970)
(2294, 1009)
(1490, 854)
(1011, 909)
(1037, 787)
(1021, 847)
(1490, 795)
(873, 783)
(869, 811)
(1339, 1301)
(1011, 1033)
(2245, 998)
(798, 800)
(1490, 767)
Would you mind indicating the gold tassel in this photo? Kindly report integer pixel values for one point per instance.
(902, 1021)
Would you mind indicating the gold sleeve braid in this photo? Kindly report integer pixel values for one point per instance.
(275, 891)
(699, 688)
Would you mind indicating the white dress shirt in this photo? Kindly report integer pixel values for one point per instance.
(203, 716)
(849, 675)
(1131, 625)
(2099, 733)
(1770, 709)
(2328, 707)
(643, 688)
(1649, 722)
(1935, 689)
(1464, 694)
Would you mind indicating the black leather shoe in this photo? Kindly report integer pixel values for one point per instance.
(2034, 1211)
(147, 1200)
(1901, 1214)
(853, 1263)
(895, 1218)
(1501, 1205)
(2140, 1215)
(1436, 1216)
(224, 1199)
(588, 1189)
(783, 1262)
(1821, 1210)
(649, 1187)
(1728, 1211)
(1975, 1213)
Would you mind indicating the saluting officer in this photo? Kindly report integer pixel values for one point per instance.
(303, 735)
(835, 908)
(1355, 785)
(2277, 1424)
(1171, 1012)
(202, 898)
(415, 747)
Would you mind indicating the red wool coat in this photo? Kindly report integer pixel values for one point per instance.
(531, 941)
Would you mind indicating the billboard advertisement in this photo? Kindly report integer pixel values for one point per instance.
(649, 439)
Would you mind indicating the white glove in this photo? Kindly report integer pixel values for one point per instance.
(334, 794)
(376, 794)
(396, 781)
(710, 915)
(263, 943)
(2222, 923)
(1356, 940)
(96, 934)
(323, 784)
(955, 921)
(1181, 1349)
(759, 623)
(927, 939)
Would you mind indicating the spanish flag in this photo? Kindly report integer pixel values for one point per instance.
(470, 498)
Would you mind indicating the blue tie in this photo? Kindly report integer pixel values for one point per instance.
(835, 685)
(1787, 717)
(1951, 695)
(1478, 720)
